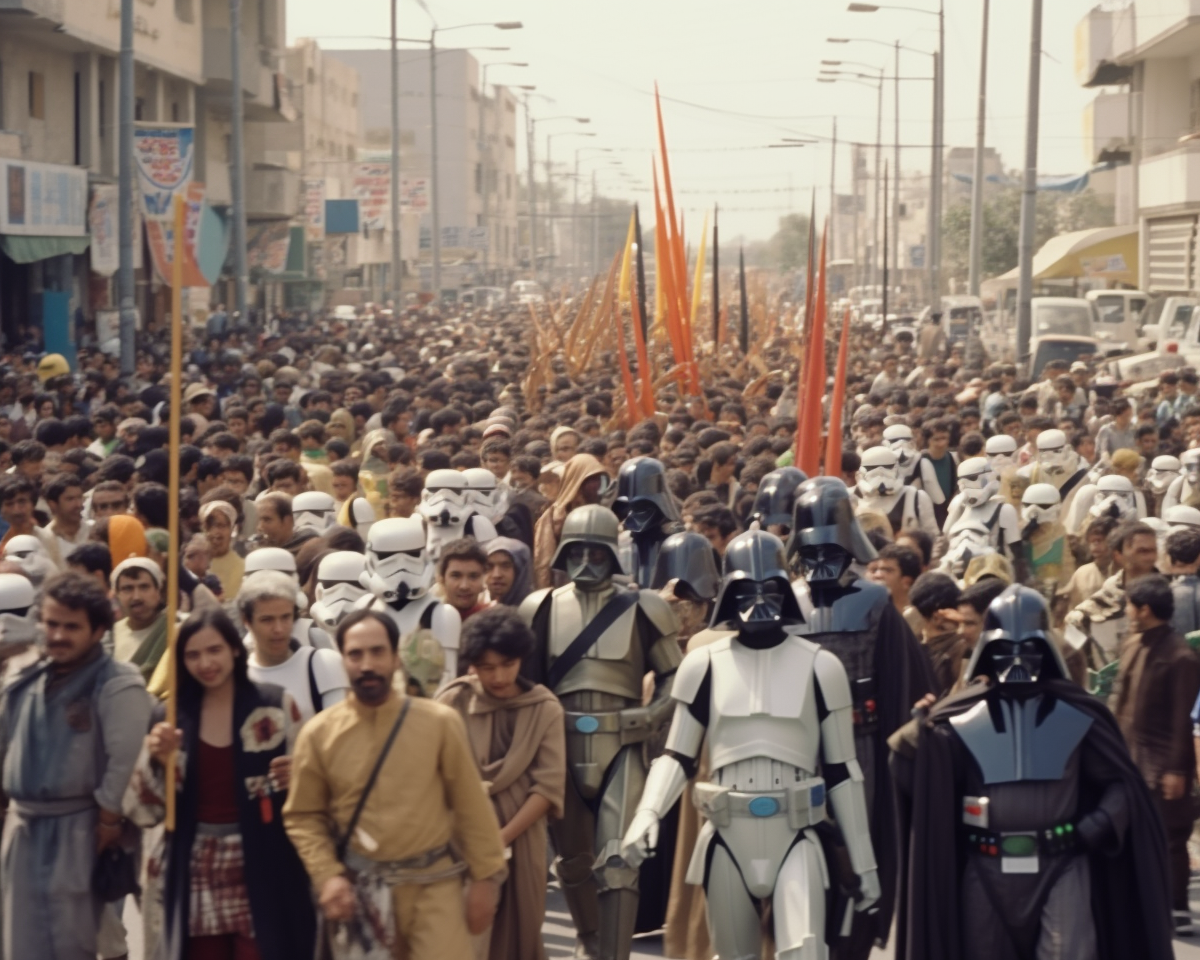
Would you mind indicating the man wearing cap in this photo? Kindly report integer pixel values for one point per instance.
(199, 399)
(140, 637)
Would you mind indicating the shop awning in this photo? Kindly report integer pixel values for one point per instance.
(32, 249)
(1107, 252)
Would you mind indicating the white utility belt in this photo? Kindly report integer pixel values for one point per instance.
(803, 803)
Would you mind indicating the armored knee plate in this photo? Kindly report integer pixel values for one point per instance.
(612, 872)
(573, 871)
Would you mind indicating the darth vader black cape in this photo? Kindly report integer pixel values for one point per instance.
(1130, 887)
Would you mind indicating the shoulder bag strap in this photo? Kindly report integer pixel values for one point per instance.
(607, 616)
(344, 843)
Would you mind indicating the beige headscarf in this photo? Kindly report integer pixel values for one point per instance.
(343, 418)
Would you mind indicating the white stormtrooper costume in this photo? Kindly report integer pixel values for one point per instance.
(360, 516)
(1164, 471)
(899, 439)
(1185, 489)
(488, 496)
(447, 508)
(1001, 453)
(1041, 506)
(971, 539)
(882, 490)
(776, 714)
(313, 510)
(399, 573)
(1111, 496)
(27, 550)
(338, 587)
(17, 597)
(1056, 463)
(304, 631)
(1180, 516)
(978, 502)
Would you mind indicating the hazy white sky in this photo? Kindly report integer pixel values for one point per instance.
(756, 60)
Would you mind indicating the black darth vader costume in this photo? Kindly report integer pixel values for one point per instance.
(648, 514)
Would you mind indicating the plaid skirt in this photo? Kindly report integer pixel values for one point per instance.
(218, 902)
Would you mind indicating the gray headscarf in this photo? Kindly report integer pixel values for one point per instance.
(522, 559)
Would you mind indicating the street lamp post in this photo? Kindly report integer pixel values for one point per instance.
(237, 172)
(395, 191)
(1029, 194)
(976, 257)
(125, 283)
(486, 150)
(551, 237)
(532, 122)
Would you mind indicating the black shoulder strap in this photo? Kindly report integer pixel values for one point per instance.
(344, 843)
(1071, 484)
(313, 690)
(991, 521)
(622, 600)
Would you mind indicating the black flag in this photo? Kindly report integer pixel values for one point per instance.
(641, 269)
(744, 332)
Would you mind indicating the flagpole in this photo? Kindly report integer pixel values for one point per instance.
(716, 285)
(173, 487)
(744, 327)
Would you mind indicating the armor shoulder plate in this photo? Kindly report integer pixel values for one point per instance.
(446, 625)
(831, 676)
(854, 609)
(658, 611)
(328, 671)
(691, 673)
(1010, 743)
(529, 606)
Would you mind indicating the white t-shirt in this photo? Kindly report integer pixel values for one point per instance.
(293, 676)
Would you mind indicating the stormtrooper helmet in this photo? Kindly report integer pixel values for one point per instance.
(484, 494)
(27, 550)
(361, 516)
(1041, 504)
(899, 439)
(879, 474)
(279, 560)
(1190, 461)
(1114, 498)
(314, 510)
(444, 499)
(1181, 515)
(1001, 451)
(338, 587)
(968, 539)
(977, 482)
(1054, 454)
(17, 624)
(1163, 472)
(397, 565)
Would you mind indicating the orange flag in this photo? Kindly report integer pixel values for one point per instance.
(808, 413)
(833, 443)
(665, 275)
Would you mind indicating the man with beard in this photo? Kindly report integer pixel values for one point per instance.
(1030, 830)
(394, 776)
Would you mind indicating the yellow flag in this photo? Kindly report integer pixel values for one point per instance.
(698, 282)
(625, 288)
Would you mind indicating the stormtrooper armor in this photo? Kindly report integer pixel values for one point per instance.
(775, 499)
(899, 439)
(314, 511)
(360, 515)
(304, 631)
(398, 573)
(27, 550)
(1001, 452)
(449, 513)
(978, 502)
(1111, 496)
(338, 587)
(648, 514)
(967, 540)
(1185, 489)
(595, 643)
(17, 596)
(1163, 471)
(882, 490)
(1057, 463)
(1041, 505)
(485, 494)
(781, 753)
(1181, 516)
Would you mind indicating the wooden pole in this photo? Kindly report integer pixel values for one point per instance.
(173, 487)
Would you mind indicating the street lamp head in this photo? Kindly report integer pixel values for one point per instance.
(863, 7)
(826, 79)
(509, 25)
(527, 86)
(832, 63)
(583, 119)
(837, 39)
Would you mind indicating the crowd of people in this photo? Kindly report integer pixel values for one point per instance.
(413, 582)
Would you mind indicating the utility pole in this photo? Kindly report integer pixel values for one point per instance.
(939, 141)
(396, 267)
(125, 287)
(595, 229)
(896, 171)
(880, 219)
(550, 258)
(435, 245)
(237, 173)
(934, 186)
(976, 261)
(529, 136)
(1029, 194)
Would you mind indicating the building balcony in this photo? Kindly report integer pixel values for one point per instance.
(1170, 180)
(258, 77)
(272, 192)
(1101, 38)
(1161, 29)
(1106, 128)
(44, 9)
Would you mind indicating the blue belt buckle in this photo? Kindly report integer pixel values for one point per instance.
(587, 724)
(763, 807)
(816, 796)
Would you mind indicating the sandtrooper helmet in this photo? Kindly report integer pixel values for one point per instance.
(444, 499)
(1190, 461)
(879, 474)
(587, 549)
(1114, 498)
(361, 515)
(484, 494)
(1163, 472)
(1001, 451)
(1054, 454)
(1181, 515)
(968, 539)
(397, 565)
(17, 623)
(314, 510)
(899, 439)
(338, 587)
(27, 550)
(977, 482)
(279, 560)
(1041, 503)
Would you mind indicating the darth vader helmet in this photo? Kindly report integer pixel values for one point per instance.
(587, 549)
(1016, 646)
(776, 498)
(643, 501)
(826, 536)
(756, 594)
(689, 560)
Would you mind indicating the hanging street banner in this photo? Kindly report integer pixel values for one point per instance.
(160, 234)
(372, 189)
(43, 199)
(165, 157)
(312, 198)
(414, 194)
(267, 246)
(102, 225)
